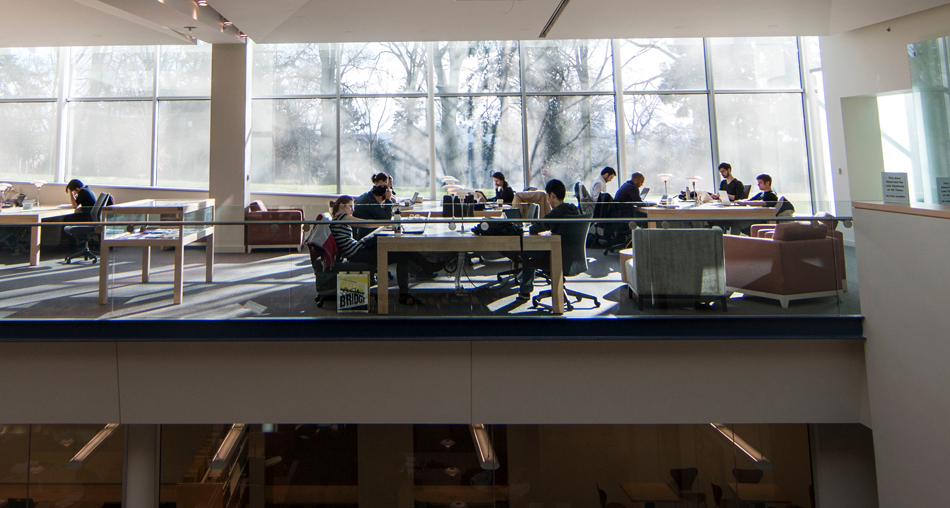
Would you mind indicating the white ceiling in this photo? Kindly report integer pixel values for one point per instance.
(109, 22)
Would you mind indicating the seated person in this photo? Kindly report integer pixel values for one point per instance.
(765, 198)
(374, 205)
(503, 191)
(364, 250)
(83, 199)
(729, 183)
(629, 194)
(535, 260)
(599, 184)
(387, 180)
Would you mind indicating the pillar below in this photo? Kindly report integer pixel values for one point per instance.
(141, 480)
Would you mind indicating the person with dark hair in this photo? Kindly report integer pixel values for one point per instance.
(363, 250)
(374, 205)
(600, 182)
(556, 192)
(82, 198)
(764, 198)
(730, 184)
(628, 194)
(503, 191)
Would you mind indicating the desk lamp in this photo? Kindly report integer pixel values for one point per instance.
(693, 180)
(666, 187)
(39, 185)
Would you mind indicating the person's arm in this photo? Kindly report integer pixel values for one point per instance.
(596, 188)
(72, 198)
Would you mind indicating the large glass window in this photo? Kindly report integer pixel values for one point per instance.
(27, 140)
(112, 71)
(28, 72)
(765, 133)
(184, 133)
(663, 64)
(755, 62)
(568, 66)
(110, 142)
(655, 123)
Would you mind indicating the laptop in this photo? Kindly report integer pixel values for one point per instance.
(415, 226)
(644, 192)
(724, 198)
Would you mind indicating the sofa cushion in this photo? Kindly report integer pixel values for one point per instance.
(257, 206)
(790, 232)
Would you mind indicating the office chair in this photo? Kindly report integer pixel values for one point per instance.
(534, 212)
(683, 479)
(585, 203)
(748, 475)
(603, 499)
(748, 189)
(573, 260)
(88, 234)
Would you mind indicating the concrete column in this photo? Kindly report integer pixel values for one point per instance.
(843, 468)
(385, 466)
(229, 180)
(140, 480)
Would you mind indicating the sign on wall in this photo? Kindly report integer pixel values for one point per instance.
(943, 190)
(895, 188)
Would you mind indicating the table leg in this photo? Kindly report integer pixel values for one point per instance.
(146, 263)
(209, 258)
(382, 279)
(557, 277)
(179, 268)
(35, 244)
(104, 252)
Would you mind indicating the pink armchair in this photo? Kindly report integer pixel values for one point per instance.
(797, 262)
(269, 235)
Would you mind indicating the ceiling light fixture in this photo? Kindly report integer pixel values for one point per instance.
(80, 458)
(228, 446)
(486, 453)
(225, 22)
(557, 14)
(202, 3)
(760, 461)
(242, 35)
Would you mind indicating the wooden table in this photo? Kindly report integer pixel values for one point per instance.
(438, 238)
(709, 212)
(649, 493)
(156, 235)
(17, 215)
(759, 492)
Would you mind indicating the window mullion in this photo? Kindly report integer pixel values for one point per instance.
(713, 126)
(338, 51)
(62, 134)
(155, 68)
(526, 170)
(809, 160)
(619, 111)
(430, 114)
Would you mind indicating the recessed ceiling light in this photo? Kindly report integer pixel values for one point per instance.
(448, 443)
(452, 471)
(773, 26)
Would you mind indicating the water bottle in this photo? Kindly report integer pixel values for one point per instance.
(397, 227)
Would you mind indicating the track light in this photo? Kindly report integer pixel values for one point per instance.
(242, 35)
(202, 3)
(228, 446)
(486, 453)
(760, 461)
(80, 458)
(225, 22)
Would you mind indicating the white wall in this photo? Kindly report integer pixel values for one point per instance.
(867, 61)
(904, 286)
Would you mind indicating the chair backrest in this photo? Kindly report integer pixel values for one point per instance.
(684, 478)
(534, 211)
(584, 200)
(574, 244)
(104, 199)
(747, 189)
(748, 475)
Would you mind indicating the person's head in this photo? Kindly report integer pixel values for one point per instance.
(343, 204)
(381, 179)
(499, 178)
(608, 174)
(764, 181)
(638, 179)
(556, 192)
(725, 169)
(74, 185)
(380, 193)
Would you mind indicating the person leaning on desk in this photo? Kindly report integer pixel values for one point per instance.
(559, 209)
(374, 205)
(363, 250)
(82, 198)
(730, 184)
(765, 198)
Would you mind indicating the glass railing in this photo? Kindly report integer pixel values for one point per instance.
(150, 260)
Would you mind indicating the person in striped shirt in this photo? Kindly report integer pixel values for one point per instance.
(364, 249)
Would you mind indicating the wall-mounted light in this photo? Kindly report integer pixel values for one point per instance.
(80, 458)
(225, 22)
(486, 453)
(242, 35)
(202, 3)
(228, 446)
(760, 461)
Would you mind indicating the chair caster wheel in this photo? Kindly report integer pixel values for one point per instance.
(319, 299)
(596, 304)
(94, 261)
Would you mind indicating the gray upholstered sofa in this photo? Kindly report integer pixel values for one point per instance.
(677, 263)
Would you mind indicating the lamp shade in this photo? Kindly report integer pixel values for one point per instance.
(664, 177)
